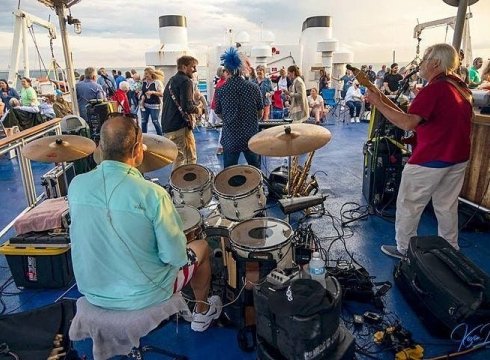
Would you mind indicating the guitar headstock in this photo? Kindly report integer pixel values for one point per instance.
(360, 76)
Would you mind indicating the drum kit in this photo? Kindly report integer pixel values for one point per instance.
(239, 189)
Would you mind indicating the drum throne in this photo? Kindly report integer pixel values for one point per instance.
(118, 332)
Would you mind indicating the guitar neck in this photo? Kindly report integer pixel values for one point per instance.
(363, 80)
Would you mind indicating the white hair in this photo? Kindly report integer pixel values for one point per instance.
(445, 54)
(14, 102)
(124, 86)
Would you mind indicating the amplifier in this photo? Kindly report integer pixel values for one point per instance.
(54, 181)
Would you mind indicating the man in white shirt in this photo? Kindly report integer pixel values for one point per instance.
(353, 100)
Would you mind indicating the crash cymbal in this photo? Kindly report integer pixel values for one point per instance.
(289, 140)
(58, 148)
(158, 152)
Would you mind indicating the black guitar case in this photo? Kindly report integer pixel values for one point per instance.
(443, 286)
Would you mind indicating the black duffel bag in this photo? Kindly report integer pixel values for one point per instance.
(443, 286)
(31, 335)
(300, 320)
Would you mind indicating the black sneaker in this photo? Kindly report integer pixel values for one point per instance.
(392, 251)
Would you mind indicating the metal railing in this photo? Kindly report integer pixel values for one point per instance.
(16, 142)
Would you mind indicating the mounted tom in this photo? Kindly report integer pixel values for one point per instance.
(191, 185)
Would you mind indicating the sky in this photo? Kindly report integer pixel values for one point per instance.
(117, 33)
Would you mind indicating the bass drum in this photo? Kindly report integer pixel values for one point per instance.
(191, 184)
(263, 239)
(240, 192)
(191, 222)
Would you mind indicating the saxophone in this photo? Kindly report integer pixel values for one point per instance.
(299, 185)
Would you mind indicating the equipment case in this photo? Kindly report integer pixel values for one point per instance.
(443, 286)
(54, 181)
(38, 268)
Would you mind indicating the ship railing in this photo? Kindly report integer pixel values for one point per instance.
(15, 143)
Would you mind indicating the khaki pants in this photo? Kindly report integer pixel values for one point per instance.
(186, 145)
(418, 185)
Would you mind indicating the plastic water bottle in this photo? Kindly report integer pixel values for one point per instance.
(317, 268)
(284, 166)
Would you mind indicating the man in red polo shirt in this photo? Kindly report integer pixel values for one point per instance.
(441, 116)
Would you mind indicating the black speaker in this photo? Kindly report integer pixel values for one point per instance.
(383, 166)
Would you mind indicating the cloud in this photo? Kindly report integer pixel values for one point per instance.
(117, 31)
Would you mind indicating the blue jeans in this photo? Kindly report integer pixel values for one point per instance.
(354, 106)
(231, 158)
(154, 119)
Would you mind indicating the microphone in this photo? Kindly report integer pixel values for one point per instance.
(413, 72)
(290, 205)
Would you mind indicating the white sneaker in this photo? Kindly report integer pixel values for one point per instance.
(200, 322)
(352, 119)
(357, 119)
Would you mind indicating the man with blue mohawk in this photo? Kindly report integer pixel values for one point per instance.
(239, 104)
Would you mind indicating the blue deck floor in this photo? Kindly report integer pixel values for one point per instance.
(342, 162)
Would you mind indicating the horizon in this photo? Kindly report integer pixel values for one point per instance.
(124, 38)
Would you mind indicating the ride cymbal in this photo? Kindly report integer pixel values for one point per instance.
(58, 148)
(158, 152)
(289, 140)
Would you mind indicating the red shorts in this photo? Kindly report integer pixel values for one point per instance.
(187, 271)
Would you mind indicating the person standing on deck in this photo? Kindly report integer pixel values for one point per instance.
(298, 109)
(441, 116)
(178, 101)
(239, 104)
(151, 92)
(87, 90)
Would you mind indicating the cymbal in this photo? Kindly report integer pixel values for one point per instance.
(289, 140)
(58, 148)
(158, 152)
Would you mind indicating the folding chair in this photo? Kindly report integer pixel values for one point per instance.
(337, 109)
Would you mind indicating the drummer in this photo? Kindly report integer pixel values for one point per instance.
(239, 104)
(128, 248)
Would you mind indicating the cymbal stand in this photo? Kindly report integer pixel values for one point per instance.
(63, 168)
(287, 130)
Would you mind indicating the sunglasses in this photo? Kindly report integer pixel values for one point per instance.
(130, 116)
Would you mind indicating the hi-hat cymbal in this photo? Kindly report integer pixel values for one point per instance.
(158, 151)
(58, 148)
(289, 140)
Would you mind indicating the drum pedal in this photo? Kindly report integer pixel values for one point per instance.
(279, 278)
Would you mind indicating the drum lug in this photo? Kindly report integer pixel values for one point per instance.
(237, 213)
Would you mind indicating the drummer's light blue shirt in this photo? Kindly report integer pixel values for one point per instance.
(126, 237)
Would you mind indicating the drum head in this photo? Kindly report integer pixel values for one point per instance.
(237, 180)
(191, 217)
(190, 177)
(260, 234)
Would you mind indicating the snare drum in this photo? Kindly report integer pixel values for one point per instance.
(191, 222)
(240, 192)
(264, 239)
(191, 185)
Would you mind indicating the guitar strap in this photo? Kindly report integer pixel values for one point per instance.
(185, 115)
(463, 91)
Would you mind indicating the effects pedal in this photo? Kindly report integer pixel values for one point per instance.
(279, 278)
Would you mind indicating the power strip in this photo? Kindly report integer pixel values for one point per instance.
(279, 278)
